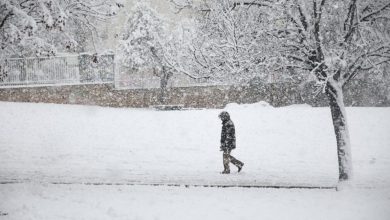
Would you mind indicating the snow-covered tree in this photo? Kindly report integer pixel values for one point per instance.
(149, 44)
(329, 41)
(41, 27)
(333, 41)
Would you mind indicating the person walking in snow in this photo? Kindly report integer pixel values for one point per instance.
(228, 143)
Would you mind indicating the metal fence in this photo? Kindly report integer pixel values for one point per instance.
(66, 70)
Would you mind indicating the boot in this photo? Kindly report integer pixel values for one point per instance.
(240, 167)
(225, 171)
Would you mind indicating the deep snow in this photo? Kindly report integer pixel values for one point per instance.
(292, 146)
(62, 143)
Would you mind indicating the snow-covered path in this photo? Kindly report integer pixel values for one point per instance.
(30, 201)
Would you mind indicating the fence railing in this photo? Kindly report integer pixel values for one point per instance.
(65, 70)
(91, 69)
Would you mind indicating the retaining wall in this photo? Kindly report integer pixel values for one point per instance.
(358, 93)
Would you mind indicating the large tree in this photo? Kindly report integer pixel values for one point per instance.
(334, 41)
(329, 41)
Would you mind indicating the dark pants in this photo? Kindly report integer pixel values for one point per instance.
(227, 158)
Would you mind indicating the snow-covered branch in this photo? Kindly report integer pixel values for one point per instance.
(232, 39)
(37, 28)
(376, 12)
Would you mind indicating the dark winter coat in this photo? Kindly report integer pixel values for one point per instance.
(228, 135)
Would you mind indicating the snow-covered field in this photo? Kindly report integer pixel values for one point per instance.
(126, 150)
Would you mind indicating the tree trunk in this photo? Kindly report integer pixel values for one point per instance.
(335, 96)
(163, 85)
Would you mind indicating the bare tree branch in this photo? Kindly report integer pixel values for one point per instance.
(8, 15)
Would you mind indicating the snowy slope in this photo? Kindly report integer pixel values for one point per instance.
(290, 146)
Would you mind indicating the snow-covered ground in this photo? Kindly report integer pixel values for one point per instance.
(41, 144)
(30, 201)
